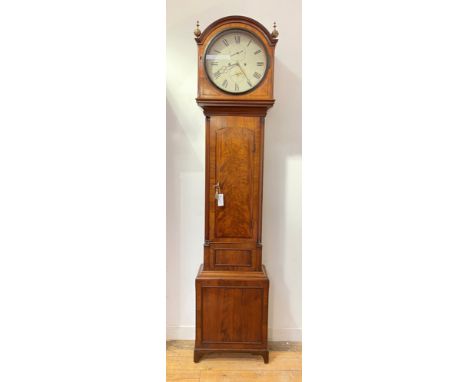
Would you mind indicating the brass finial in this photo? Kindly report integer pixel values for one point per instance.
(197, 31)
(274, 33)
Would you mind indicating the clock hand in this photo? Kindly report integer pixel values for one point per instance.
(223, 69)
(240, 51)
(243, 72)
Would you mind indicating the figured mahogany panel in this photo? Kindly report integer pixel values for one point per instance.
(231, 314)
(235, 165)
(242, 256)
(234, 172)
(232, 257)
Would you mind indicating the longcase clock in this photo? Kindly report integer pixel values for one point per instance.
(235, 90)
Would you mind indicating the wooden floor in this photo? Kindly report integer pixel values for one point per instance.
(285, 364)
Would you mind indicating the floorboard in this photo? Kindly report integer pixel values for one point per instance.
(285, 364)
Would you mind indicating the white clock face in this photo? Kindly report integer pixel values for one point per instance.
(236, 61)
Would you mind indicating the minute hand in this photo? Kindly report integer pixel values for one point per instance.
(243, 72)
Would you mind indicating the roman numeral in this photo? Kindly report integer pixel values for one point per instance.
(260, 63)
(249, 42)
(225, 42)
(258, 51)
(217, 51)
(214, 63)
(225, 84)
(249, 83)
(257, 75)
(236, 87)
(217, 74)
(237, 38)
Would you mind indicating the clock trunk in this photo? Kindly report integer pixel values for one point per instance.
(234, 162)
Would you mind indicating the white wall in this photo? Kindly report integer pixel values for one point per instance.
(185, 164)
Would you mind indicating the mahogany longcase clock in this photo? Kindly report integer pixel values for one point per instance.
(235, 90)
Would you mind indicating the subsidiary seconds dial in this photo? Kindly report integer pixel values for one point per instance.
(236, 61)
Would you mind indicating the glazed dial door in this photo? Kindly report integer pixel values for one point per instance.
(236, 61)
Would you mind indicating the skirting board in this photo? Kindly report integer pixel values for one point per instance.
(274, 334)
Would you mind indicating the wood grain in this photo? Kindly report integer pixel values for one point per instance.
(235, 158)
(235, 150)
(231, 312)
(249, 376)
(232, 257)
(241, 305)
(285, 365)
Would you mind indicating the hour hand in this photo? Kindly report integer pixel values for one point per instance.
(240, 51)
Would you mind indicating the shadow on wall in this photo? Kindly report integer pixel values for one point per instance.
(283, 131)
(180, 154)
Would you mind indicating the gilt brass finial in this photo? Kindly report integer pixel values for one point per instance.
(274, 33)
(197, 31)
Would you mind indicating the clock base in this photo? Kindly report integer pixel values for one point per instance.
(231, 312)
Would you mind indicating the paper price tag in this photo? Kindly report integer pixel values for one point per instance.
(220, 200)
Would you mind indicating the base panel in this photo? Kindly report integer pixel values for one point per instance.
(232, 312)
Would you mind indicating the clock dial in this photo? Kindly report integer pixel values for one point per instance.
(236, 61)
